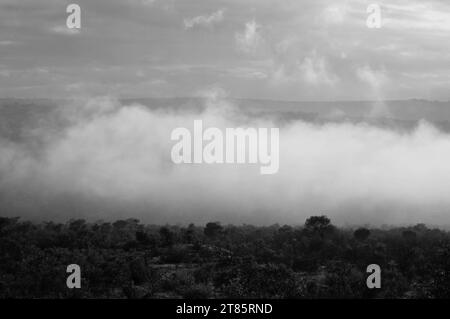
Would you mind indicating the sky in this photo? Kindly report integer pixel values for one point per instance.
(103, 157)
(266, 49)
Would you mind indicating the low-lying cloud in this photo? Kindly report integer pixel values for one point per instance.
(205, 20)
(113, 161)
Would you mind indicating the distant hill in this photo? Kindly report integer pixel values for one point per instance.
(18, 117)
(399, 114)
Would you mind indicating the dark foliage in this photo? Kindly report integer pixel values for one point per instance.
(126, 259)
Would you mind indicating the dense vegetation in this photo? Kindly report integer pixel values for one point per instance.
(126, 259)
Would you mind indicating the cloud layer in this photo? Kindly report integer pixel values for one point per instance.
(298, 50)
(204, 20)
(113, 161)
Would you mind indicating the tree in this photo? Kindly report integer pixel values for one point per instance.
(212, 229)
(361, 234)
(167, 236)
(320, 225)
(189, 234)
(409, 235)
(142, 238)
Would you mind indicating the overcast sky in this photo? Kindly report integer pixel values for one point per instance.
(289, 50)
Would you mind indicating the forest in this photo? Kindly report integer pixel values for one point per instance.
(127, 259)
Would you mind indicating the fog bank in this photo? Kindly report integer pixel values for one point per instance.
(109, 161)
